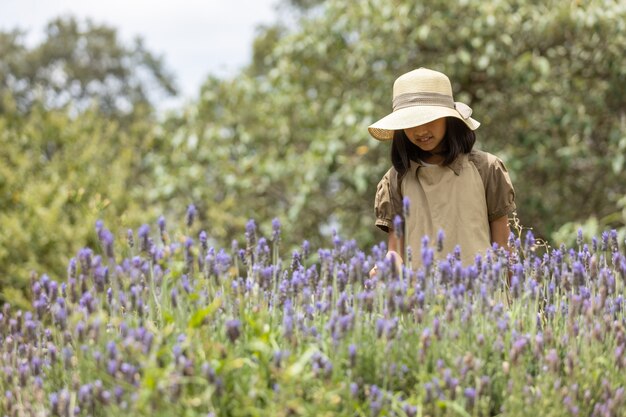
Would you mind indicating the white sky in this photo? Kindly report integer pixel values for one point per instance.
(196, 37)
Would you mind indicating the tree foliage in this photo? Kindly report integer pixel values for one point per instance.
(58, 176)
(76, 122)
(288, 137)
(80, 64)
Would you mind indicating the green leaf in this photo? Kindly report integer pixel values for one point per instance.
(297, 368)
(198, 318)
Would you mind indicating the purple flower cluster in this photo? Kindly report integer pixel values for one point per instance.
(180, 325)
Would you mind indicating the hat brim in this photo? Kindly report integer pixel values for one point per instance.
(409, 117)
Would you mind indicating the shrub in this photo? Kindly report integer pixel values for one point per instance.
(171, 326)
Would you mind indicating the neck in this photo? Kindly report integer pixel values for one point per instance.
(434, 158)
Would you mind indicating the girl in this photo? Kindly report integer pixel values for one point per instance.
(465, 193)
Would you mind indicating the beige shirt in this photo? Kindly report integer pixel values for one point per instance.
(461, 199)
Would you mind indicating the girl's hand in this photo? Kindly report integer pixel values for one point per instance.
(396, 262)
(395, 258)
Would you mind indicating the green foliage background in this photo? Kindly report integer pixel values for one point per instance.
(286, 137)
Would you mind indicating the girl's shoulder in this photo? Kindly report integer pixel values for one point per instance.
(487, 164)
(483, 159)
(392, 180)
(499, 191)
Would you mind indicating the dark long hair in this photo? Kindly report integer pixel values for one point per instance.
(458, 139)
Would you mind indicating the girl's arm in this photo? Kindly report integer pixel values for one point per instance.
(395, 245)
(395, 249)
(499, 232)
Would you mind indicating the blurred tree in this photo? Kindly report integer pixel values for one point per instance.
(288, 137)
(304, 5)
(76, 127)
(59, 173)
(80, 64)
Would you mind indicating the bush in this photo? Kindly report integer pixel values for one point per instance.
(158, 326)
(288, 136)
(59, 174)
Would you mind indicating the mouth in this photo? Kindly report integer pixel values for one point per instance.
(423, 139)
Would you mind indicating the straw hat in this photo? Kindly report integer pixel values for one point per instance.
(419, 97)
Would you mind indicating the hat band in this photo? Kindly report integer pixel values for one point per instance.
(422, 99)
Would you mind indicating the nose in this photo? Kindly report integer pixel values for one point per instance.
(419, 131)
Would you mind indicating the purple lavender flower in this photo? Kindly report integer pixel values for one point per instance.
(161, 223)
(552, 359)
(440, 237)
(518, 348)
(107, 239)
(184, 281)
(529, 242)
(437, 327)
(470, 395)
(71, 268)
(605, 241)
(457, 252)
(54, 402)
(189, 258)
(174, 297)
(119, 393)
(99, 226)
(85, 258)
(428, 387)
(144, 235)
(409, 410)
(203, 240)
(376, 400)
(406, 205)
(427, 257)
(354, 389)
(346, 322)
(380, 327)
(23, 372)
(8, 395)
(620, 358)
(614, 241)
(579, 237)
(398, 226)
(336, 239)
(84, 394)
(426, 338)
(515, 283)
(275, 230)
(105, 397)
(306, 247)
(288, 326)
(233, 329)
(53, 290)
(68, 354)
(60, 316)
(191, 215)
(579, 273)
(278, 357)
(352, 355)
(503, 324)
(251, 233)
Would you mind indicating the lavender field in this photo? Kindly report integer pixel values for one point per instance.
(160, 325)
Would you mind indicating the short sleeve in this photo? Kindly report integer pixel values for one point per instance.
(388, 202)
(499, 190)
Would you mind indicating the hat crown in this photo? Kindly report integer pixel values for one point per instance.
(422, 80)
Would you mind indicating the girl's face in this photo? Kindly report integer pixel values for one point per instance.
(428, 136)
